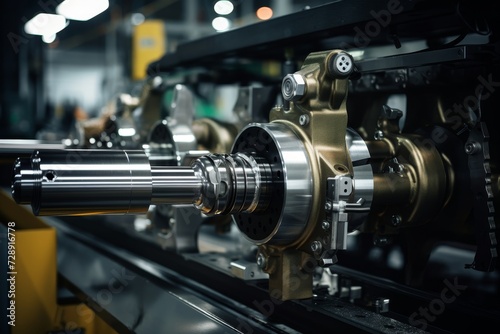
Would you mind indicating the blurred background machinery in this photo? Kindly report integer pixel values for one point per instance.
(331, 166)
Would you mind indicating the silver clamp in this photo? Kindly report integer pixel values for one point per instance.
(340, 189)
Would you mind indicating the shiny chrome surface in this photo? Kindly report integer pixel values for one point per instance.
(28, 145)
(363, 175)
(139, 295)
(177, 185)
(297, 176)
(83, 182)
(294, 174)
(90, 182)
(180, 124)
(230, 183)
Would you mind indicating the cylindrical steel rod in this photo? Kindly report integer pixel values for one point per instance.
(177, 185)
(90, 182)
(83, 182)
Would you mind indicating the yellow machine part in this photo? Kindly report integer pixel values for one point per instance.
(148, 45)
(35, 277)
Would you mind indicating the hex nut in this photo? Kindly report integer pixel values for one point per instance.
(293, 87)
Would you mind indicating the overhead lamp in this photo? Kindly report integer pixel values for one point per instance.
(82, 10)
(49, 38)
(44, 24)
(137, 18)
(126, 132)
(221, 23)
(223, 7)
(264, 13)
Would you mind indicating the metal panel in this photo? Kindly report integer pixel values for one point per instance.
(138, 296)
(339, 22)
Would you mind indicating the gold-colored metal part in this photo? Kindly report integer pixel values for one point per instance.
(411, 177)
(151, 101)
(319, 119)
(391, 189)
(411, 180)
(290, 274)
(214, 136)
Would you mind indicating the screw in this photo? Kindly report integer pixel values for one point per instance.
(325, 225)
(304, 119)
(261, 260)
(293, 87)
(316, 246)
(472, 147)
(379, 135)
(395, 220)
(328, 206)
(400, 168)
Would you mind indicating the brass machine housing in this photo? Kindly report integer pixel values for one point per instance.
(411, 179)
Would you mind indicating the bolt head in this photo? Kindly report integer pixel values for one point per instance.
(396, 220)
(303, 120)
(293, 87)
(325, 225)
(261, 260)
(379, 135)
(471, 147)
(316, 246)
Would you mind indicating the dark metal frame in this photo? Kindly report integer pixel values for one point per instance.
(91, 257)
(326, 26)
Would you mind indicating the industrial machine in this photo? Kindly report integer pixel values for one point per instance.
(356, 189)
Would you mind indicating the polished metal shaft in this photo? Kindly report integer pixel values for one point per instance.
(82, 182)
(89, 182)
(178, 185)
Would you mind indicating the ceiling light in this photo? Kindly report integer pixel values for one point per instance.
(126, 132)
(49, 38)
(45, 24)
(221, 23)
(264, 13)
(82, 10)
(223, 7)
(137, 18)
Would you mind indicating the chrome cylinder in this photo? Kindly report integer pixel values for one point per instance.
(232, 183)
(90, 182)
(178, 185)
(83, 182)
(362, 175)
(286, 215)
